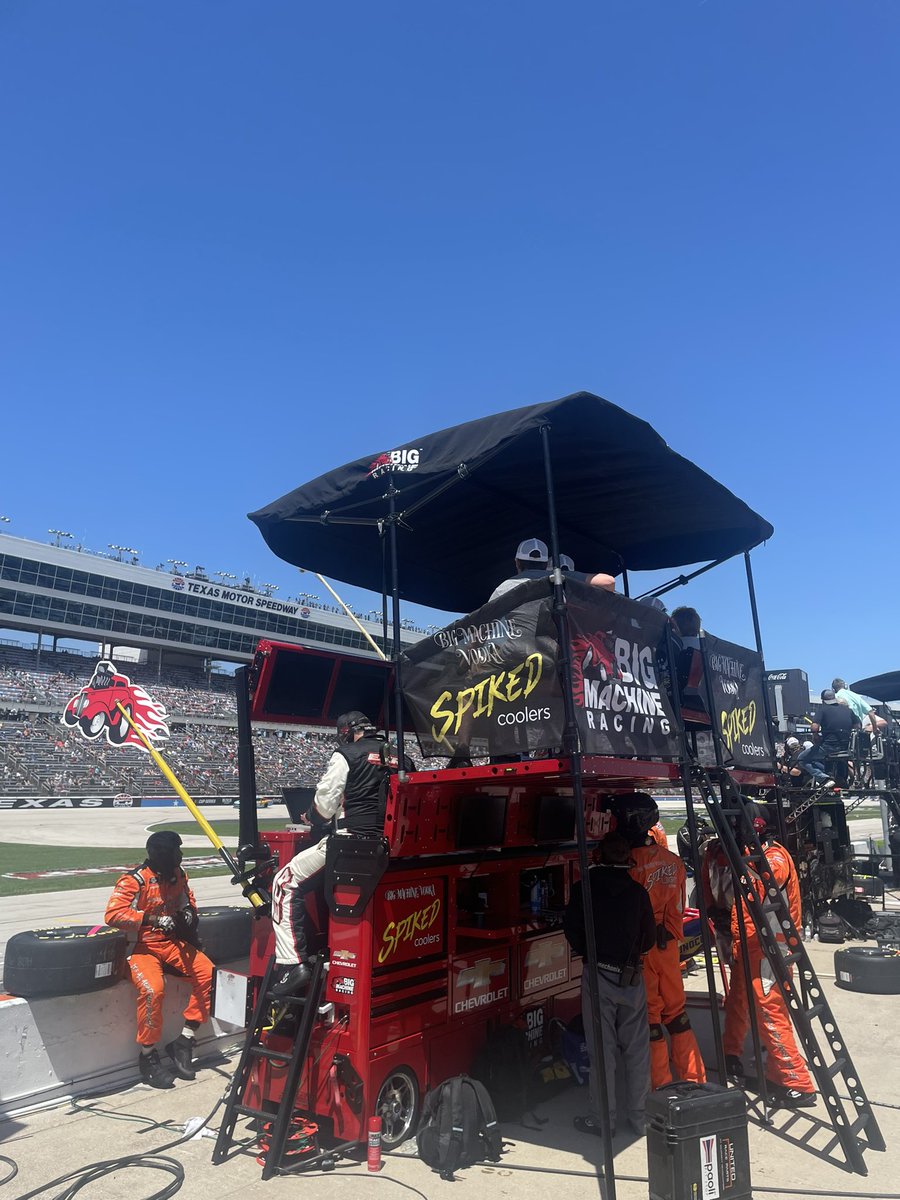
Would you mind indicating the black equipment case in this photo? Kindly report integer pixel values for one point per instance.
(697, 1145)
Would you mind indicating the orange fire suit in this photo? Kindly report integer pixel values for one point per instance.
(662, 873)
(659, 835)
(141, 894)
(785, 1066)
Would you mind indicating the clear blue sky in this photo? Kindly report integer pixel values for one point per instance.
(245, 242)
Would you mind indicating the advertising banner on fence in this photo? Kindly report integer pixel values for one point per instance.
(621, 705)
(735, 677)
(488, 684)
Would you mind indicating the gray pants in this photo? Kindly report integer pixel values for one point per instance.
(623, 1017)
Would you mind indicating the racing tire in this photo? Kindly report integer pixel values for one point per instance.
(119, 732)
(69, 717)
(399, 1105)
(865, 969)
(64, 961)
(225, 933)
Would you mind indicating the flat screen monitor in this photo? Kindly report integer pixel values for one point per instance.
(555, 819)
(481, 821)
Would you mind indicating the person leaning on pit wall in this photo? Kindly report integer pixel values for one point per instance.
(155, 904)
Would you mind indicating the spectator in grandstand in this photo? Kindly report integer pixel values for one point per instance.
(155, 904)
(356, 780)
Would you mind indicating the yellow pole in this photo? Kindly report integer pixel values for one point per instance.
(352, 615)
(255, 899)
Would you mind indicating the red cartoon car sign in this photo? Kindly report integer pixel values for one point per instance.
(95, 712)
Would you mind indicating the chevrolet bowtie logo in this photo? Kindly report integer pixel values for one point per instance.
(481, 973)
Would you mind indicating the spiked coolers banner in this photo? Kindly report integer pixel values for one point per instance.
(489, 684)
(735, 676)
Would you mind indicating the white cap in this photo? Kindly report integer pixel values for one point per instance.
(807, 745)
(566, 563)
(792, 741)
(532, 550)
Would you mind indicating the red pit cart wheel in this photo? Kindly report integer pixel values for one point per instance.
(398, 1107)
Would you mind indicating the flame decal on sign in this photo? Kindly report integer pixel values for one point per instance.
(94, 711)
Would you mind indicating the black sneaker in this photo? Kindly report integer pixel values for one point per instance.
(734, 1069)
(181, 1052)
(153, 1072)
(289, 980)
(794, 1098)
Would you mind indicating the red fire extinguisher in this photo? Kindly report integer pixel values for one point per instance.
(373, 1157)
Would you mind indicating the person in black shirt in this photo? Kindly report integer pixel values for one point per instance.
(832, 723)
(624, 929)
(355, 780)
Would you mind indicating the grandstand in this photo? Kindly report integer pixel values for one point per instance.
(186, 634)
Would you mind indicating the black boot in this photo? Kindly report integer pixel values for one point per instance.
(153, 1072)
(289, 980)
(181, 1052)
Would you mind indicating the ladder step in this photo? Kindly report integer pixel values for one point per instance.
(836, 1067)
(790, 959)
(860, 1123)
(251, 1112)
(285, 1000)
(814, 1011)
(273, 1055)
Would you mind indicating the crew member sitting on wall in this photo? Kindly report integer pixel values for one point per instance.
(154, 902)
(356, 779)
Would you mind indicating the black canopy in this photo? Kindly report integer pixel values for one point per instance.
(623, 499)
(880, 687)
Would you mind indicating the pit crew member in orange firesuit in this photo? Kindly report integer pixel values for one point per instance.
(786, 1071)
(154, 903)
(356, 779)
(662, 873)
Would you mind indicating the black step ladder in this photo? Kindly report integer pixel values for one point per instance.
(862, 1131)
(307, 1004)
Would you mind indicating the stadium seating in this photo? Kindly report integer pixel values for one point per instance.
(40, 756)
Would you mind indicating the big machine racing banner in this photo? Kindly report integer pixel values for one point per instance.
(489, 684)
(621, 705)
(736, 681)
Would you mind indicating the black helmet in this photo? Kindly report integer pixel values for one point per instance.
(635, 815)
(164, 852)
(350, 723)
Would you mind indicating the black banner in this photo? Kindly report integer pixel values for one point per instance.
(488, 684)
(621, 704)
(735, 678)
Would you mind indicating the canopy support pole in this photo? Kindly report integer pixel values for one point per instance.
(572, 748)
(767, 708)
(705, 938)
(248, 823)
(395, 613)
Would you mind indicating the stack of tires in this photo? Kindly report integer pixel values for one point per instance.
(72, 959)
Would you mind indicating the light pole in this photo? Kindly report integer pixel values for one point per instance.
(175, 563)
(59, 534)
(269, 588)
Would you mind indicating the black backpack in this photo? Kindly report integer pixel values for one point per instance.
(458, 1127)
